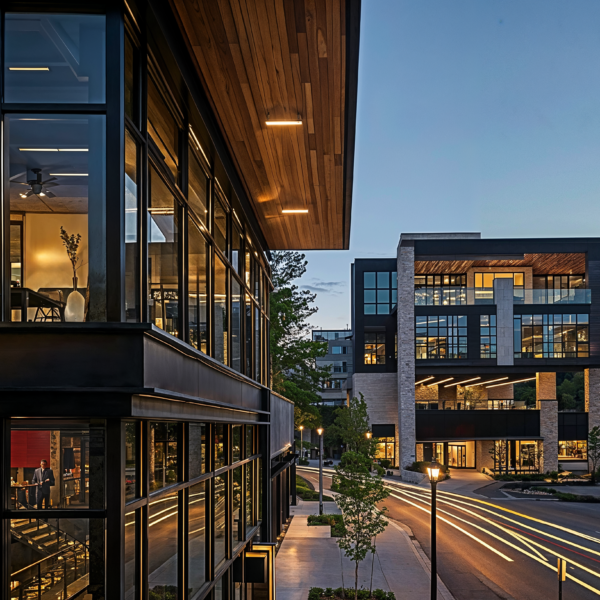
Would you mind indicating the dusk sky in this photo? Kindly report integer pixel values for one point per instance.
(473, 115)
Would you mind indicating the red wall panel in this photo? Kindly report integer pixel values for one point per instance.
(28, 448)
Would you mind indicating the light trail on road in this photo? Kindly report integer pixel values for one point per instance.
(515, 536)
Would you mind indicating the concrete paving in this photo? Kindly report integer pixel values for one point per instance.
(309, 557)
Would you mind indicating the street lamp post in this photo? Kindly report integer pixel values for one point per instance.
(368, 436)
(433, 471)
(301, 428)
(320, 432)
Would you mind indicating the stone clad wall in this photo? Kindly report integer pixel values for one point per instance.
(406, 351)
(483, 458)
(592, 397)
(381, 395)
(545, 387)
(504, 297)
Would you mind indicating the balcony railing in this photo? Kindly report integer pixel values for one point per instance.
(463, 296)
(481, 405)
(573, 296)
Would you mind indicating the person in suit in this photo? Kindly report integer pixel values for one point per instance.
(44, 478)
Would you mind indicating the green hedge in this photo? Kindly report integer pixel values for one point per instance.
(306, 493)
(335, 521)
(316, 593)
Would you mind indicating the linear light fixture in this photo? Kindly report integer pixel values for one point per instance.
(53, 149)
(161, 210)
(511, 382)
(438, 382)
(461, 382)
(28, 69)
(486, 382)
(423, 380)
(294, 210)
(275, 123)
(69, 174)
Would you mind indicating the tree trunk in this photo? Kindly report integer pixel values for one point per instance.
(342, 569)
(372, 567)
(356, 581)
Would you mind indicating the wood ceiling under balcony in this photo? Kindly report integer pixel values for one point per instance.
(279, 60)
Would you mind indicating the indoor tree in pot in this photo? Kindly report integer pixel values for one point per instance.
(75, 308)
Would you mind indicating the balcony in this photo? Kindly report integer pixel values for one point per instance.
(464, 296)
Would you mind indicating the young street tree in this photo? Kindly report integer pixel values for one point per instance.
(351, 426)
(358, 495)
(593, 451)
(293, 353)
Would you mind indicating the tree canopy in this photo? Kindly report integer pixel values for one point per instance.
(295, 373)
(351, 426)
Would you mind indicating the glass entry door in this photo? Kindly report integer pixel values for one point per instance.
(457, 456)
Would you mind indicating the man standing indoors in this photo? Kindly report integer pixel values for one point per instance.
(44, 477)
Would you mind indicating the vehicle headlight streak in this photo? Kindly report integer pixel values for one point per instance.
(535, 556)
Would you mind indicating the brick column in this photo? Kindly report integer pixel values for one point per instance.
(592, 397)
(546, 403)
(406, 352)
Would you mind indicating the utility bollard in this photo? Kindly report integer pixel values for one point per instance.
(562, 575)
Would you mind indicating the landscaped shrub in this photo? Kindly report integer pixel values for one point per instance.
(303, 462)
(380, 470)
(522, 477)
(386, 463)
(316, 593)
(335, 521)
(303, 490)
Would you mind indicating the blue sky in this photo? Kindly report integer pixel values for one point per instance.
(473, 115)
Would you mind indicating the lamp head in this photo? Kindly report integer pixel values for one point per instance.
(433, 471)
(369, 434)
(320, 431)
(301, 427)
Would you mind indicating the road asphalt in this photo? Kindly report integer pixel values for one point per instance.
(492, 548)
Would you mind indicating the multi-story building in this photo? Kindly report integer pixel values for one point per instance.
(339, 360)
(154, 153)
(444, 332)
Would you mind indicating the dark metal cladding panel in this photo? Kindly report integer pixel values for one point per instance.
(447, 425)
(572, 426)
(282, 424)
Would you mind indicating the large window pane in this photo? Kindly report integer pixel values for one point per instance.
(249, 440)
(60, 548)
(257, 344)
(248, 336)
(249, 496)
(50, 468)
(198, 188)
(164, 466)
(130, 534)
(57, 193)
(220, 318)
(197, 288)
(237, 257)
(237, 531)
(220, 229)
(163, 256)
(236, 442)
(219, 447)
(131, 446)
(52, 58)
(132, 247)
(236, 326)
(131, 80)
(197, 449)
(219, 519)
(162, 126)
(162, 547)
(197, 537)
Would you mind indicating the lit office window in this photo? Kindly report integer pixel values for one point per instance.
(374, 348)
(551, 336)
(441, 336)
(574, 450)
(440, 290)
(487, 336)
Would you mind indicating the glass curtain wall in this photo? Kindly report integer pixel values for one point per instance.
(193, 266)
(201, 507)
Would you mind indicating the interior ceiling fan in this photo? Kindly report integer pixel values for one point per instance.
(37, 186)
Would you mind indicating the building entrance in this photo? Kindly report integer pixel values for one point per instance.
(457, 456)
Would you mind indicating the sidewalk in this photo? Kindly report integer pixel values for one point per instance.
(309, 557)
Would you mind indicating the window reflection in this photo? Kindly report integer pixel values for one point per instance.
(197, 288)
(130, 461)
(236, 442)
(164, 468)
(220, 322)
(162, 547)
(198, 189)
(130, 535)
(236, 326)
(163, 256)
(220, 229)
(219, 519)
(237, 531)
(249, 496)
(57, 204)
(197, 449)
(54, 58)
(197, 537)
(220, 458)
(162, 125)
(132, 248)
